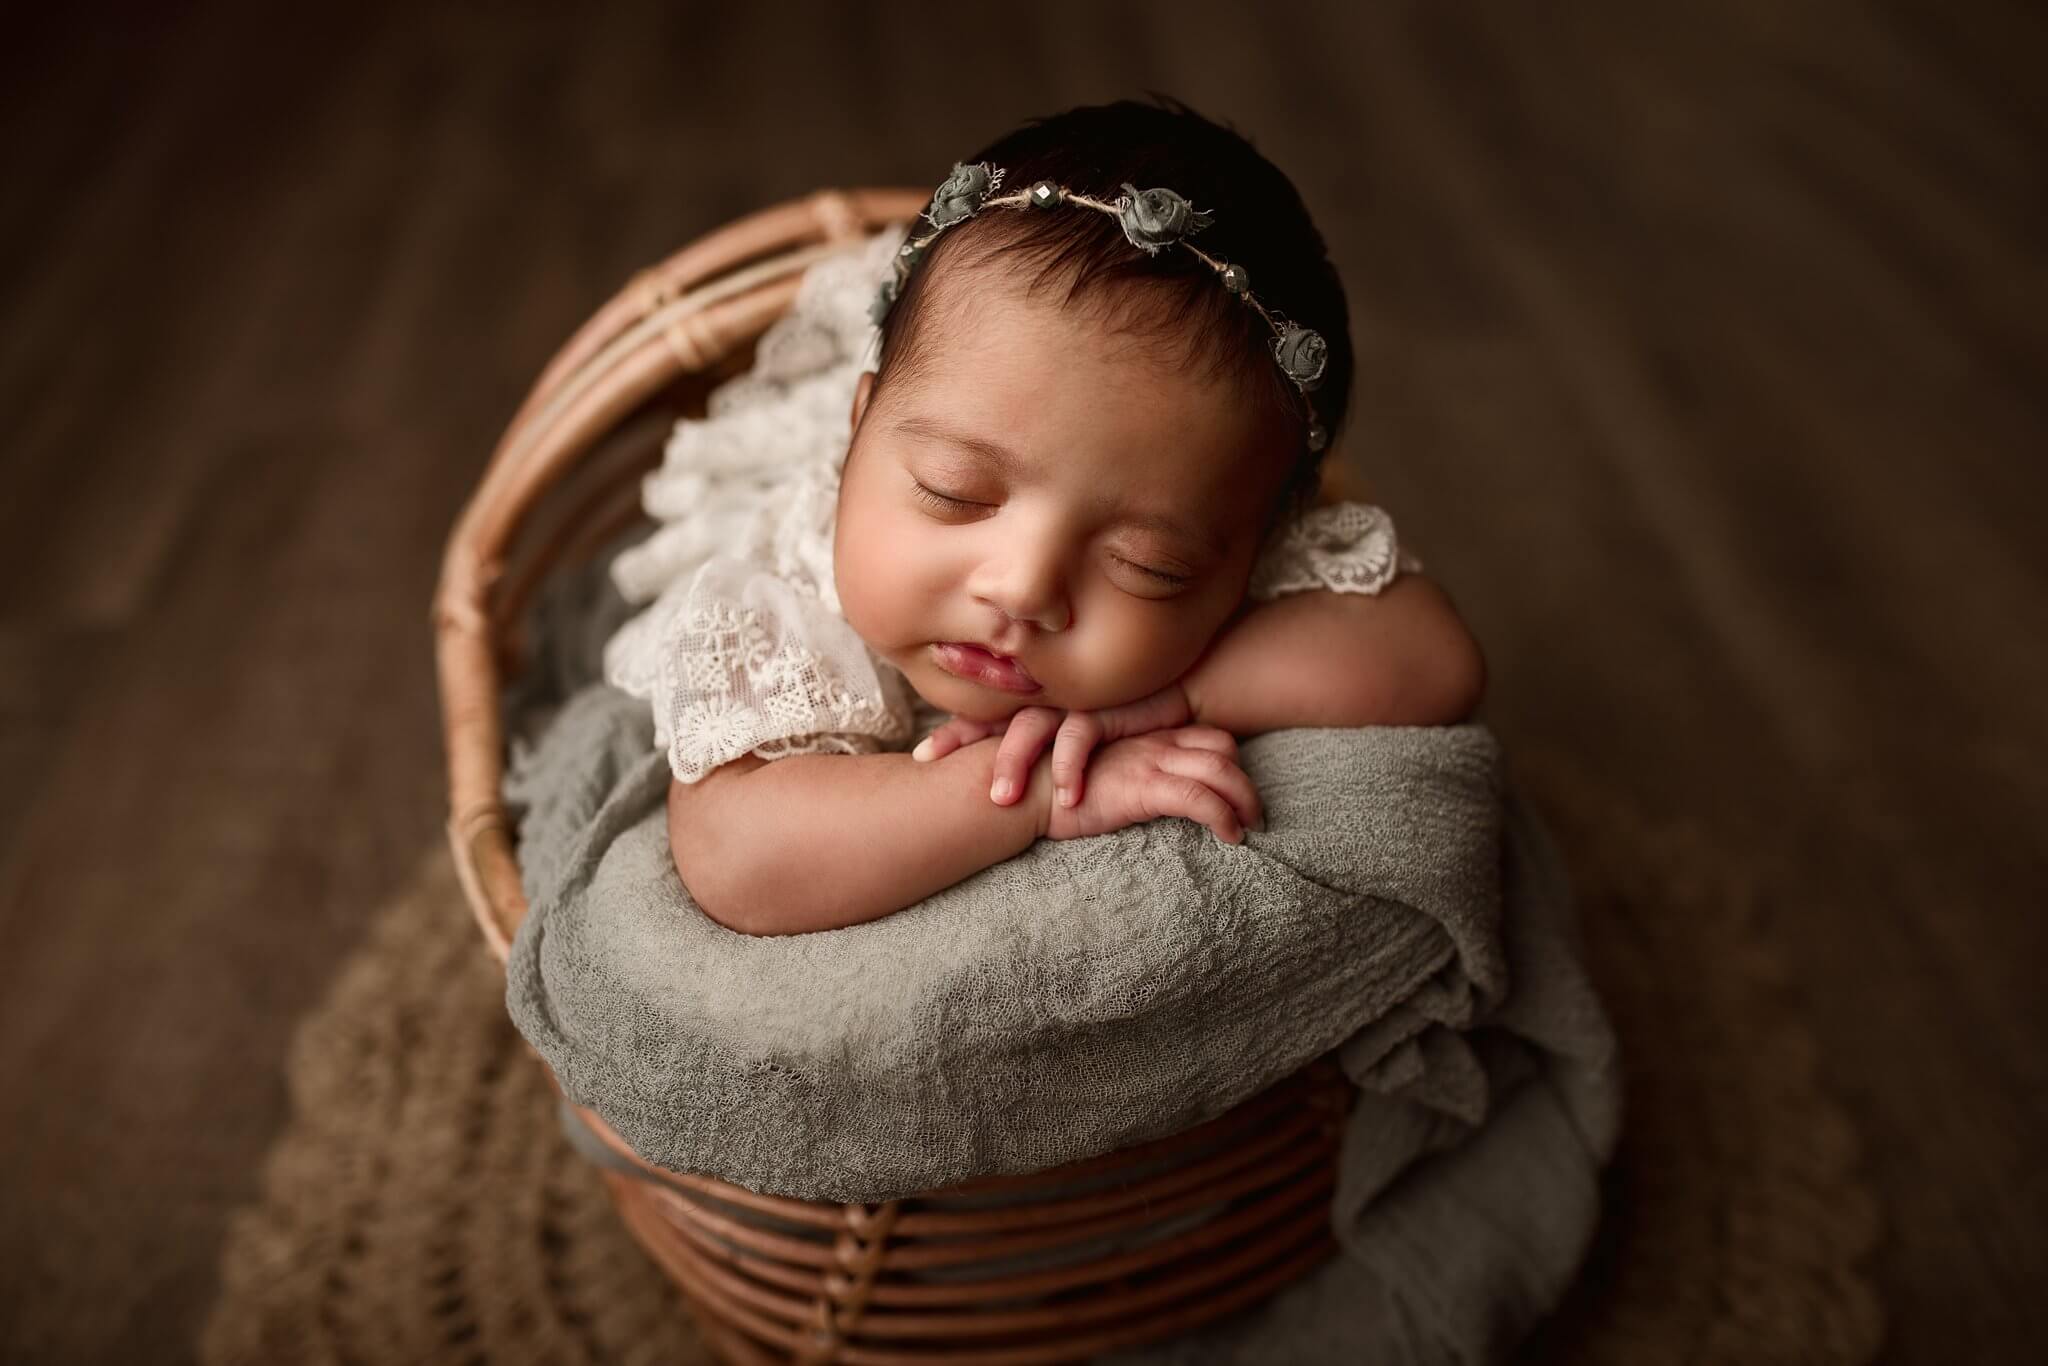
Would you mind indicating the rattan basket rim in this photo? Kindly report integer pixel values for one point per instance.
(673, 319)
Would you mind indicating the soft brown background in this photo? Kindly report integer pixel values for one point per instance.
(1701, 354)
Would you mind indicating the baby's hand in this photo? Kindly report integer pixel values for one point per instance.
(1190, 771)
(1078, 733)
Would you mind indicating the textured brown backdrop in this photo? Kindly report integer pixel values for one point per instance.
(1701, 354)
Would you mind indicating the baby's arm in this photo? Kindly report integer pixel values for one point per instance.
(817, 841)
(1400, 657)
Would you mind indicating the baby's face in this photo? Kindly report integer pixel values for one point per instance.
(1048, 492)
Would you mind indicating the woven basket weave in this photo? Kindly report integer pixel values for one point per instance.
(1203, 1223)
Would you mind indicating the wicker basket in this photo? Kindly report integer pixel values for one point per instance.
(1202, 1223)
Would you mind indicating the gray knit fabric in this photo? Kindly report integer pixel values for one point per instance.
(1402, 906)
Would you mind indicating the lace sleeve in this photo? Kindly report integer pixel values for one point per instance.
(737, 661)
(724, 476)
(1341, 548)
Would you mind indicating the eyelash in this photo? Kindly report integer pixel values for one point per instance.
(947, 503)
(940, 500)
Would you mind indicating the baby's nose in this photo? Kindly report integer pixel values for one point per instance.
(1051, 618)
(1027, 591)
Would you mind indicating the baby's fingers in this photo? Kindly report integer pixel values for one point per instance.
(1206, 737)
(1079, 734)
(1161, 711)
(950, 736)
(1221, 776)
(1174, 795)
(1028, 731)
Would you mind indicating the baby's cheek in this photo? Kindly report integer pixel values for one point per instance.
(864, 597)
(1137, 651)
(863, 574)
(880, 592)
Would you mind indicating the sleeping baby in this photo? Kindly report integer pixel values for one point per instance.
(1068, 555)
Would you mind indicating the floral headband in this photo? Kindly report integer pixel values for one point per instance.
(1151, 219)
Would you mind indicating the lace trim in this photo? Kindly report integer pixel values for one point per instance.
(739, 681)
(1341, 548)
(725, 479)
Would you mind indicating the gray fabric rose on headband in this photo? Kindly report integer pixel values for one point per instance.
(885, 299)
(960, 197)
(1155, 218)
(1302, 353)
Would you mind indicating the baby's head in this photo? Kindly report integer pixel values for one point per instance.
(1070, 451)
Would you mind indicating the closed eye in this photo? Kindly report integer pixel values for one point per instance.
(944, 502)
(1168, 580)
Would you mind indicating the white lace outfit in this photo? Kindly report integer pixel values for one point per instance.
(741, 648)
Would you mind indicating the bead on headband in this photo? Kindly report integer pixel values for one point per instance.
(1151, 220)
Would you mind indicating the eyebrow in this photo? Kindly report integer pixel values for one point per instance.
(1008, 461)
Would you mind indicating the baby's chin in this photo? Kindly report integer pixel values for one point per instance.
(973, 702)
(978, 702)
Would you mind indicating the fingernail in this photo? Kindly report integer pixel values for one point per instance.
(1001, 791)
(923, 750)
(1066, 796)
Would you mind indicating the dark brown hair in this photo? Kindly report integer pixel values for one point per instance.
(1172, 300)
